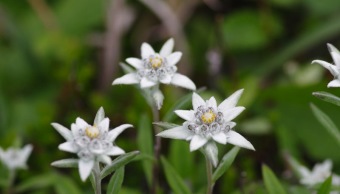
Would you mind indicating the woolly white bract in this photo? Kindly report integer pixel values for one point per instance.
(92, 143)
(154, 68)
(334, 69)
(15, 158)
(208, 123)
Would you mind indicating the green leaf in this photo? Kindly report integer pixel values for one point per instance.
(271, 182)
(182, 102)
(175, 181)
(66, 163)
(325, 188)
(116, 182)
(145, 144)
(225, 163)
(181, 158)
(36, 182)
(165, 125)
(326, 122)
(65, 185)
(118, 162)
(325, 96)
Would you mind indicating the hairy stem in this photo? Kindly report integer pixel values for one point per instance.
(209, 175)
(11, 178)
(157, 150)
(98, 189)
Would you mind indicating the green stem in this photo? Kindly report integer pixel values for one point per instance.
(96, 171)
(157, 150)
(209, 175)
(11, 178)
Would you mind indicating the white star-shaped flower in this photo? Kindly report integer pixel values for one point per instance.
(209, 123)
(15, 158)
(319, 174)
(334, 69)
(154, 68)
(91, 142)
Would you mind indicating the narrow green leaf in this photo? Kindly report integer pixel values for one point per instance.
(326, 186)
(118, 162)
(175, 181)
(326, 122)
(225, 163)
(116, 181)
(271, 182)
(325, 96)
(181, 158)
(145, 144)
(182, 102)
(165, 125)
(65, 185)
(93, 181)
(66, 163)
(36, 182)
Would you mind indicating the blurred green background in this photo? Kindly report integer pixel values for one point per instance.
(58, 59)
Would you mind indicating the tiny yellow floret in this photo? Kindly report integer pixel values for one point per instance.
(156, 62)
(208, 117)
(92, 132)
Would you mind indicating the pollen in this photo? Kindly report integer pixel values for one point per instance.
(156, 62)
(208, 117)
(92, 132)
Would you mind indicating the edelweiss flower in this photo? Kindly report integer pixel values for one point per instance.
(154, 68)
(91, 142)
(319, 174)
(208, 123)
(334, 69)
(15, 158)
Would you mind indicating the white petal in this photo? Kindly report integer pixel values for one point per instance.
(197, 101)
(68, 147)
(25, 152)
(146, 83)
(182, 81)
(81, 123)
(211, 152)
(166, 79)
(105, 159)
(220, 138)
(188, 115)
(99, 116)
(332, 48)
(167, 48)
(238, 140)
(212, 103)
(176, 133)
(230, 114)
(112, 135)
(336, 59)
(75, 130)
(173, 58)
(85, 168)
(146, 50)
(159, 97)
(231, 101)
(104, 124)
(197, 141)
(115, 151)
(63, 131)
(135, 62)
(130, 78)
(330, 67)
(334, 83)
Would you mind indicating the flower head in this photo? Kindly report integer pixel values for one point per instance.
(318, 175)
(15, 158)
(334, 69)
(154, 68)
(208, 123)
(91, 142)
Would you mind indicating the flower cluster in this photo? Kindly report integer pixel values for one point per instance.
(14, 158)
(334, 69)
(208, 123)
(92, 143)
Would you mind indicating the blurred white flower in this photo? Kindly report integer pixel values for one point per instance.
(154, 68)
(92, 143)
(208, 123)
(334, 69)
(319, 174)
(15, 158)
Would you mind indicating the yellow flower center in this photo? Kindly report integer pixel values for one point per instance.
(156, 62)
(208, 117)
(92, 132)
